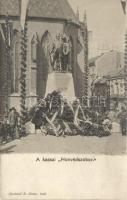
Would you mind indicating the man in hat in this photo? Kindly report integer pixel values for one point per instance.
(122, 116)
(12, 121)
(5, 129)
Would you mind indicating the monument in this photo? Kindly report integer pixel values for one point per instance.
(60, 79)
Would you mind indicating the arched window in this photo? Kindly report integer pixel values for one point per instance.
(71, 54)
(43, 63)
(16, 62)
(112, 89)
(46, 43)
(34, 48)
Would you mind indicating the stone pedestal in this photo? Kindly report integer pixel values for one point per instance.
(62, 82)
(31, 100)
(14, 101)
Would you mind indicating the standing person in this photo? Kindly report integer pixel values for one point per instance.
(122, 116)
(18, 126)
(5, 129)
(13, 121)
(1, 134)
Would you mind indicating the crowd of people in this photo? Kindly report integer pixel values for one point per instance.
(10, 127)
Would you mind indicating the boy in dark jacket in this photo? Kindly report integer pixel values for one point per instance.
(5, 129)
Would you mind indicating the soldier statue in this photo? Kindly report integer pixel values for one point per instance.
(59, 53)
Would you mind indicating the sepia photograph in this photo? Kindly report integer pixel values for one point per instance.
(63, 76)
(63, 99)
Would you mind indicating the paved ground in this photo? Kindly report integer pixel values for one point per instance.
(37, 143)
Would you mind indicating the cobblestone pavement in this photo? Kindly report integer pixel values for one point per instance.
(37, 143)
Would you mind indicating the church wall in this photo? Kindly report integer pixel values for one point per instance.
(2, 78)
(2, 63)
(80, 74)
(6, 77)
(72, 31)
(38, 28)
(13, 96)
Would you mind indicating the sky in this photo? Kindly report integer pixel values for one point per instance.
(106, 20)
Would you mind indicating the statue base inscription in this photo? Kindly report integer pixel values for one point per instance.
(62, 82)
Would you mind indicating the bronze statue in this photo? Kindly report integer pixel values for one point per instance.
(59, 53)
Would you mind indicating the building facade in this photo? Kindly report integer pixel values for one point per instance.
(117, 89)
(100, 98)
(106, 80)
(109, 92)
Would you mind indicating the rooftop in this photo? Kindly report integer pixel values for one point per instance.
(100, 80)
(57, 9)
(119, 74)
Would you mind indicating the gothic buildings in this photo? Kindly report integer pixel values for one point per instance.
(46, 21)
